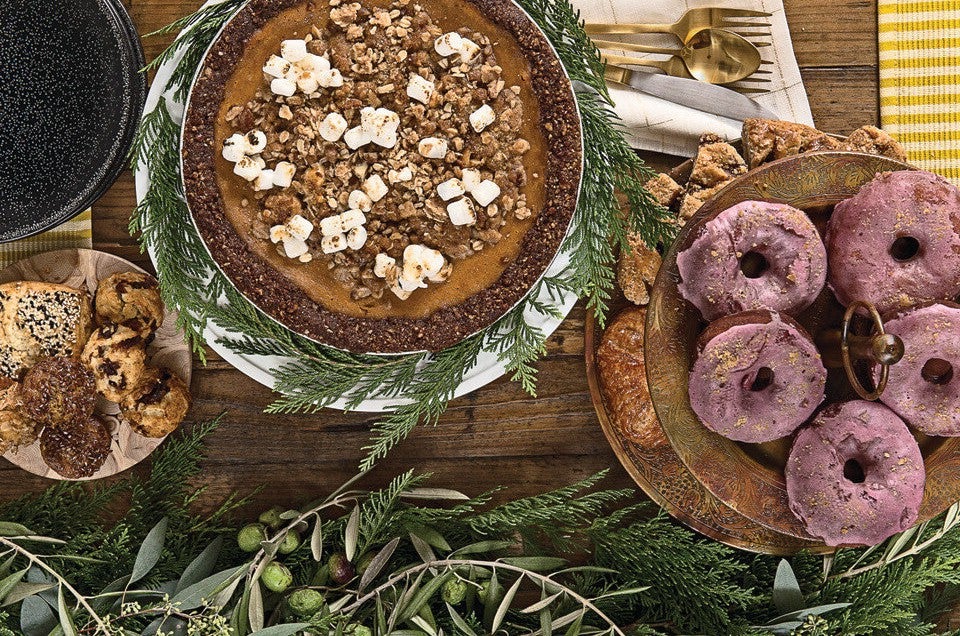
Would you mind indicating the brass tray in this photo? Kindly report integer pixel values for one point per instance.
(749, 477)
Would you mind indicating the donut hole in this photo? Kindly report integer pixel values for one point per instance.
(937, 371)
(754, 264)
(905, 248)
(853, 471)
(761, 380)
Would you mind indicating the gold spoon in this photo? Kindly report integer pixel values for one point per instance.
(714, 56)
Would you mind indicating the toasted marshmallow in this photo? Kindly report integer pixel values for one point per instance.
(233, 148)
(299, 227)
(293, 50)
(248, 168)
(356, 137)
(448, 44)
(482, 117)
(433, 261)
(333, 244)
(305, 258)
(359, 201)
(295, 248)
(410, 284)
(433, 147)
(314, 63)
(307, 82)
(450, 189)
(283, 86)
(356, 238)
(461, 212)
(331, 225)
(398, 176)
(383, 265)
(254, 142)
(332, 127)
(420, 88)
(399, 292)
(264, 180)
(470, 179)
(283, 174)
(351, 219)
(442, 274)
(486, 192)
(468, 49)
(276, 67)
(375, 188)
(279, 233)
(331, 78)
(381, 124)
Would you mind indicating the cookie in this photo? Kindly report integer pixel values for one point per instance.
(77, 450)
(161, 408)
(131, 299)
(16, 429)
(58, 391)
(117, 356)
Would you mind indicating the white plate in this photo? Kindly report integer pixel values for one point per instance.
(261, 368)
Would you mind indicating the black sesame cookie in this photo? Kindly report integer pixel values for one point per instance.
(117, 356)
(131, 299)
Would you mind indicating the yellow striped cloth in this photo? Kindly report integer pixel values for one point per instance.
(919, 44)
(77, 232)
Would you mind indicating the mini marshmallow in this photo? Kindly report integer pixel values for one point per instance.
(468, 49)
(283, 86)
(359, 201)
(470, 179)
(279, 233)
(442, 274)
(356, 137)
(314, 63)
(482, 117)
(383, 265)
(356, 238)
(450, 189)
(409, 284)
(283, 174)
(433, 147)
(433, 261)
(375, 188)
(333, 244)
(305, 258)
(233, 148)
(331, 225)
(276, 66)
(248, 168)
(307, 82)
(293, 50)
(448, 44)
(461, 212)
(295, 248)
(254, 142)
(400, 293)
(332, 127)
(381, 124)
(397, 176)
(486, 192)
(351, 219)
(299, 227)
(419, 88)
(330, 78)
(264, 180)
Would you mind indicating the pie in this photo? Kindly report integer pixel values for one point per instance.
(386, 175)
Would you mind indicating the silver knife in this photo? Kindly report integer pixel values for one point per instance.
(709, 98)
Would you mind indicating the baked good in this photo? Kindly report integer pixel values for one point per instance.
(382, 176)
(873, 141)
(161, 408)
(637, 269)
(766, 140)
(77, 450)
(623, 378)
(58, 391)
(131, 299)
(40, 319)
(117, 357)
(16, 429)
(855, 476)
(757, 377)
(715, 165)
(924, 386)
(896, 243)
(754, 255)
(664, 189)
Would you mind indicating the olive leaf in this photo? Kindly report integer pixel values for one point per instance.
(423, 549)
(286, 629)
(459, 622)
(255, 611)
(431, 536)
(24, 589)
(434, 494)
(494, 593)
(536, 563)
(150, 551)
(575, 628)
(316, 540)
(483, 547)
(352, 534)
(194, 595)
(36, 617)
(423, 595)
(539, 605)
(11, 581)
(8, 529)
(66, 617)
(787, 596)
(505, 605)
(377, 563)
(202, 566)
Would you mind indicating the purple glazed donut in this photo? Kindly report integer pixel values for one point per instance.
(755, 255)
(896, 243)
(757, 378)
(855, 476)
(924, 387)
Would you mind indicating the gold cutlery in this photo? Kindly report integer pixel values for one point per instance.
(695, 20)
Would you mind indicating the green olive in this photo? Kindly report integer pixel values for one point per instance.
(306, 602)
(271, 517)
(276, 577)
(250, 536)
(454, 591)
(291, 541)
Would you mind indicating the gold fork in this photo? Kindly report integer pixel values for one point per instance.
(694, 20)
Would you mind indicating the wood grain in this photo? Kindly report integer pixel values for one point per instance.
(498, 435)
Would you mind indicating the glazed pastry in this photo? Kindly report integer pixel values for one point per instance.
(58, 391)
(161, 408)
(754, 255)
(131, 299)
(117, 357)
(16, 429)
(855, 476)
(757, 377)
(77, 450)
(924, 386)
(896, 243)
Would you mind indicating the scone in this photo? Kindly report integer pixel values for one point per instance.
(78, 450)
(131, 299)
(41, 319)
(16, 429)
(717, 163)
(161, 408)
(58, 391)
(766, 140)
(117, 356)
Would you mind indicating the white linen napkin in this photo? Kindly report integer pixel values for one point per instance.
(659, 125)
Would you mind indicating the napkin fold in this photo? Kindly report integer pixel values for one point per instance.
(920, 80)
(661, 126)
(75, 233)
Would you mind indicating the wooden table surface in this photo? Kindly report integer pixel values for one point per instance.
(497, 435)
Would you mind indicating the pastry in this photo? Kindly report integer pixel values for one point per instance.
(382, 177)
(873, 141)
(58, 391)
(896, 243)
(131, 299)
(40, 319)
(77, 450)
(716, 164)
(16, 429)
(117, 357)
(756, 378)
(637, 269)
(161, 408)
(924, 386)
(855, 476)
(754, 255)
(766, 140)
